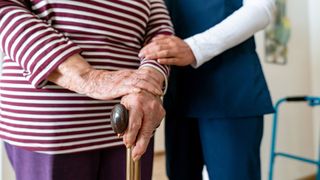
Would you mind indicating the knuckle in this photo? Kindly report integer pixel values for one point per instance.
(137, 101)
(166, 52)
(158, 48)
(145, 71)
(134, 100)
(154, 105)
(146, 74)
(129, 141)
(162, 113)
(136, 125)
(172, 45)
(172, 40)
(125, 139)
(160, 109)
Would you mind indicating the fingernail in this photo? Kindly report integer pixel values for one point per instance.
(141, 55)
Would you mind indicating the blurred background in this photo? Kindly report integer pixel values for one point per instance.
(299, 124)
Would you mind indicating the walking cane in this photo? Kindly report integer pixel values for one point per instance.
(119, 122)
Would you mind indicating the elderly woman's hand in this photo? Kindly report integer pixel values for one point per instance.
(145, 115)
(108, 85)
(77, 75)
(169, 50)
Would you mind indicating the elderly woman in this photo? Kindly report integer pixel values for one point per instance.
(67, 64)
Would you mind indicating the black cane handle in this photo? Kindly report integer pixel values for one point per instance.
(119, 122)
(119, 118)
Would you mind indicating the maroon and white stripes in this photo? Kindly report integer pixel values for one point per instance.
(37, 35)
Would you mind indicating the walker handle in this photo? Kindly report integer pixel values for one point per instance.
(296, 99)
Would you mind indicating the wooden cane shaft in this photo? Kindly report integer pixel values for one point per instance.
(133, 169)
(129, 165)
(137, 170)
(119, 123)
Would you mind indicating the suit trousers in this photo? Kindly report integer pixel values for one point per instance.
(228, 147)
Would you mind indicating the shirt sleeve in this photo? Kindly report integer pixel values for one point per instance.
(159, 24)
(31, 42)
(253, 16)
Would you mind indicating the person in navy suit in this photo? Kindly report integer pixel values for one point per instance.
(217, 94)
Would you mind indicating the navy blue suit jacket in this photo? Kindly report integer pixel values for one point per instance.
(231, 84)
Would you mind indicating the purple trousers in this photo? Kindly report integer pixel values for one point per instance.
(104, 164)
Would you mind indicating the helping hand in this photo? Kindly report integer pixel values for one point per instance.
(169, 50)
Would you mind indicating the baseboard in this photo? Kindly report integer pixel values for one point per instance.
(159, 153)
(311, 177)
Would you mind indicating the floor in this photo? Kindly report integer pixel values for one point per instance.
(159, 172)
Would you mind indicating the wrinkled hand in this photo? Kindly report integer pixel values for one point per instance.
(145, 115)
(107, 85)
(77, 75)
(169, 50)
(150, 72)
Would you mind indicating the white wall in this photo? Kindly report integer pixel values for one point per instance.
(314, 15)
(296, 126)
(6, 172)
(159, 139)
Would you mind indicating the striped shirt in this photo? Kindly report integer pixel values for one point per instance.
(38, 35)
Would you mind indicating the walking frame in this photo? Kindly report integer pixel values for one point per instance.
(312, 102)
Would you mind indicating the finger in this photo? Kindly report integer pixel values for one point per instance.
(150, 72)
(145, 50)
(122, 91)
(169, 61)
(153, 48)
(152, 116)
(148, 85)
(134, 125)
(146, 82)
(145, 134)
(141, 145)
(164, 53)
(160, 37)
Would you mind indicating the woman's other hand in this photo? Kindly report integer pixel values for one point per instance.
(169, 50)
(145, 115)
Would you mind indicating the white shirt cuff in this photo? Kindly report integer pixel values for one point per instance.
(192, 43)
